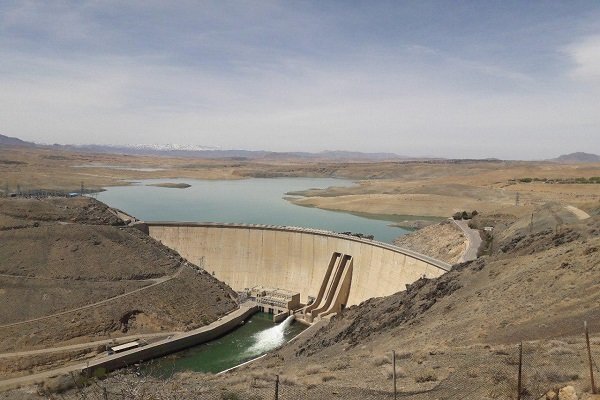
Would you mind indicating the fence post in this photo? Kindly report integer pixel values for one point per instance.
(587, 341)
(394, 372)
(519, 381)
(276, 387)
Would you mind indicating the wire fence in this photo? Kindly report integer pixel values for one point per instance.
(524, 372)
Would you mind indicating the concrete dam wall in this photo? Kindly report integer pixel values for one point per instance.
(296, 259)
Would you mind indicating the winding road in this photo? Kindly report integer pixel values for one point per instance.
(473, 240)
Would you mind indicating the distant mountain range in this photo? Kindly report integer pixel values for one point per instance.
(578, 157)
(196, 151)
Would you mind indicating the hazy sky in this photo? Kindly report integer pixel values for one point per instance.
(509, 79)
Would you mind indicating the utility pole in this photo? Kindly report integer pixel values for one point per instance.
(81, 193)
(394, 372)
(519, 381)
(517, 199)
(587, 341)
(531, 224)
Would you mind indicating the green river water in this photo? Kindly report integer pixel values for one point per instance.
(257, 336)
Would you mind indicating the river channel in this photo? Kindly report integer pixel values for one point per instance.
(257, 336)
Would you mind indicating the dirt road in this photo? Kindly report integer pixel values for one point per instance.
(99, 303)
(86, 345)
(473, 241)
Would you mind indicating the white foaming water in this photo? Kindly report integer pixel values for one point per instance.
(269, 339)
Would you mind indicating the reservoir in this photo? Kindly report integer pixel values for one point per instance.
(251, 201)
(257, 336)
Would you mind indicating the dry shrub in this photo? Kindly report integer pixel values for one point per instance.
(381, 360)
(313, 369)
(556, 343)
(261, 379)
(388, 371)
(229, 396)
(58, 384)
(426, 377)
(288, 380)
(560, 377)
(328, 377)
(238, 378)
(340, 364)
(262, 375)
(560, 351)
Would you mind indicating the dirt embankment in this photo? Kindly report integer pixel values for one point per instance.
(443, 241)
(59, 257)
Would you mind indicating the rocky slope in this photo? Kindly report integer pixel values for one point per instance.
(443, 241)
(537, 288)
(59, 255)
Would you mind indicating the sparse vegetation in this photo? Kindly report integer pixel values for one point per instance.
(381, 360)
(426, 377)
(563, 181)
(459, 215)
(313, 369)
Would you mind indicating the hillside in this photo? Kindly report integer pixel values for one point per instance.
(13, 141)
(461, 329)
(78, 267)
(428, 241)
(578, 157)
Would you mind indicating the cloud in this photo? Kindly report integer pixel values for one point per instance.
(277, 78)
(585, 56)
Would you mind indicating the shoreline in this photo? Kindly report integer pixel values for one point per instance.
(395, 219)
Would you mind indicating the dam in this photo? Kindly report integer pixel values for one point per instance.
(313, 274)
(296, 259)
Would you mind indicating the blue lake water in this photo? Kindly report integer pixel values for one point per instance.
(252, 201)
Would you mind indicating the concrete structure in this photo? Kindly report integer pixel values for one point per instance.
(295, 259)
(335, 288)
(178, 342)
(275, 301)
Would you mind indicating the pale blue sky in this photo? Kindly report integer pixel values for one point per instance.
(508, 79)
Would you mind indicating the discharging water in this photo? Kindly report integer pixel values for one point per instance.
(257, 336)
(251, 201)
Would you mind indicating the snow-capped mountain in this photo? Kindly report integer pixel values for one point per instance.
(169, 147)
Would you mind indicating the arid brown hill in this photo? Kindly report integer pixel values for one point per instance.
(59, 255)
